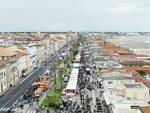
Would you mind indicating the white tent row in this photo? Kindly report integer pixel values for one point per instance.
(76, 65)
(72, 84)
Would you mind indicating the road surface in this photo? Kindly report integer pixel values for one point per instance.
(14, 94)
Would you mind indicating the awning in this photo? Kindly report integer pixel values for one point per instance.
(106, 98)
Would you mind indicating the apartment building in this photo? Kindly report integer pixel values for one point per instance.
(3, 78)
(22, 63)
(11, 74)
(41, 54)
(136, 91)
(31, 49)
(23, 59)
(123, 95)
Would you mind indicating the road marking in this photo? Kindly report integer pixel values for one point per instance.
(17, 93)
(15, 109)
(1, 108)
(34, 111)
(4, 109)
(29, 81)
(25, 78)
(7, 109)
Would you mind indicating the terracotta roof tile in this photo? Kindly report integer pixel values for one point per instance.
(2, 62)
(6, 52)
(142, 80)
(20, 54)
(145, 109)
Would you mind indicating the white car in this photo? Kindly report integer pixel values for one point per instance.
(66, 78)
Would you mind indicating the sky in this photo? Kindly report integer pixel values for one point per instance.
(74, 15)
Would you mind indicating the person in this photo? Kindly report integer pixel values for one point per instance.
(10, 85)
(11, 107)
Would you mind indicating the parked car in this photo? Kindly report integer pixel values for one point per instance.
(89, 87)
(65, 78)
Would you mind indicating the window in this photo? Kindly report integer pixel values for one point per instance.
(1, 75)
(110, 82)
(3, 58)
(13, 69)
(134, 107)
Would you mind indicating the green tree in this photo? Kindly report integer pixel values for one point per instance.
(54, 67)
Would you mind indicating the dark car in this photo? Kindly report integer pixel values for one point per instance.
(98, 104)
(89, 87)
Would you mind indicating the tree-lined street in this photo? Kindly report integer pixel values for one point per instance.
(7, 100)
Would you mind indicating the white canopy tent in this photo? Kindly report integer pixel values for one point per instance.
(72, 84)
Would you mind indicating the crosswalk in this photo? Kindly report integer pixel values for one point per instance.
(6, 109)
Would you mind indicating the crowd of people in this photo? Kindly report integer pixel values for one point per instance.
(87, 85)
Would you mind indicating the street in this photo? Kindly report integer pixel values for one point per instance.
(89, 97)
(7, 100)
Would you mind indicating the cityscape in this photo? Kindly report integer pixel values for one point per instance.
(74, 56)
(74, 72)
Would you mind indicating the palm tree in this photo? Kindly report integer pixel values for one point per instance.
(54, 66)
(61, 65)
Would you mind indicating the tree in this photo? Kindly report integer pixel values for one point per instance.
(54, 67)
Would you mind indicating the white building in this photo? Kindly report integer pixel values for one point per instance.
(124, 95)
(115, 79)
(136, 91)
(11, 59)
(32, 51)
(22, 63)
(3, 78)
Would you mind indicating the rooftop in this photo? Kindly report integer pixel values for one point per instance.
(20, 54)
(117, 73)
(118, 78)
(133, 86)
(6, 52)
(126, 110)
(142, 80)
(2, 62)
(145, 109)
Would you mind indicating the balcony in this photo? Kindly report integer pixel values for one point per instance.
(12, 58)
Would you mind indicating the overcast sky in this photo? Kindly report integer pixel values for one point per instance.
(75, 15)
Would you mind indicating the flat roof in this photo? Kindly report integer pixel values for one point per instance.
(76, 65)
(143, 80)
(72, 84)
(118, 78)
(133, 86)
(6, 52)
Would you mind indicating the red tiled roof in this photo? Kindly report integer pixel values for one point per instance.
(2, 62)
(20, 54)
(142, 80)
(6, 52)
(145, 109)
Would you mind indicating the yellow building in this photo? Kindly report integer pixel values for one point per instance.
(3, 78)
(11, 67)
(41, 55)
